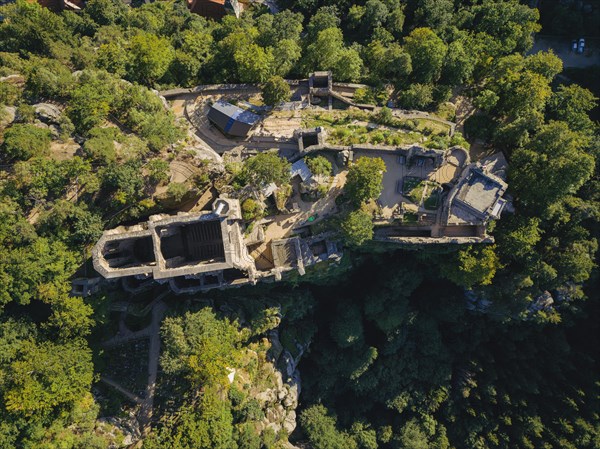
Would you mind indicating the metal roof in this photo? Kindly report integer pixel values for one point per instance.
(301, 169)
(236, 113)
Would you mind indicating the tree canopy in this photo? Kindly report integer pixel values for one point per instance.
(364, 179)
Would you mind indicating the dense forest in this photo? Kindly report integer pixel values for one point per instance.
(405, 348)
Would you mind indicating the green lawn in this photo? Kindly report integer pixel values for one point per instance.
(410, 217)
(341, 131)
(409, 183)
(432, 197)
(419, 190)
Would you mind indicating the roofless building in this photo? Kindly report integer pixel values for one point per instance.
(165, 247)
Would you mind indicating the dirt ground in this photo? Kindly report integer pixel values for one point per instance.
(282, 225)
(63, 151)
(281, 124)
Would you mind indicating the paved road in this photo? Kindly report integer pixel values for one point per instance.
(561, 46)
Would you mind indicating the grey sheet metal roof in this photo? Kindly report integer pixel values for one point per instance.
(301, 169)
(236, 113)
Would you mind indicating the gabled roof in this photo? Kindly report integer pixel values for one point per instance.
(300, 168)
(236, 113)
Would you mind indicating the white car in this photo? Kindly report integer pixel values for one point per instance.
(581, 46)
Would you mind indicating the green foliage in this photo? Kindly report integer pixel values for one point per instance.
(199, 347)
(275, 91)
(101, 145)
(321, 429)
(158, 171)
(412, 437)
(572, 105)
(177, 191)
(48, 78)
(45, 376)
(210, 426)
(113, 58)
(250, 209)
(551, 166)
(24, 141)
(46, 264)
(427, 52)
(417, 96)
(347, 328)
(319, 165)
(105, 12)
(72, 223)
(364, 181)
(91, 101)
(254, 64)
(150, 57)
(486, 100)
(357, 227)
(125, 181)
(472, 266)
(9, 93)
(265, 168)
(327, 52)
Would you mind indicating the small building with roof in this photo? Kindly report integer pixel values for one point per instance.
(299, 168)
(214, 9)
(232, 120)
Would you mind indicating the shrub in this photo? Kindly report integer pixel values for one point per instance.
(250, 209)
(364, 179)
(275, 90)
(101, 145)
(357, 228)
(158, 171)
(265, 168)
(24, 141)
(384, 116)
(25, 113)
(177, 190)
(319, 165)
(364, 96)
(417, 96)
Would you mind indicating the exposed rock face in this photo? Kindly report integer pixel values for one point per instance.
(279, 403)
(7, 116)
(48, 113)
(121, 432)
(277, 388)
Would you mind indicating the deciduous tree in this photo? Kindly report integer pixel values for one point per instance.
(364, 181)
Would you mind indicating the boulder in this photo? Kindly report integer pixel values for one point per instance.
(289, 424)
(48, 113)
(8, 116)
(55, 131)
(41, 125)
(266, 397)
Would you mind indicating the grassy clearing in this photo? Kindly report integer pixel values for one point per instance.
(410, 217)
(416, 194)
(345, 128)
(447, 111)
(431, 201)
(420, 191)
(409, 183)
(428, 126)
(355, 134)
